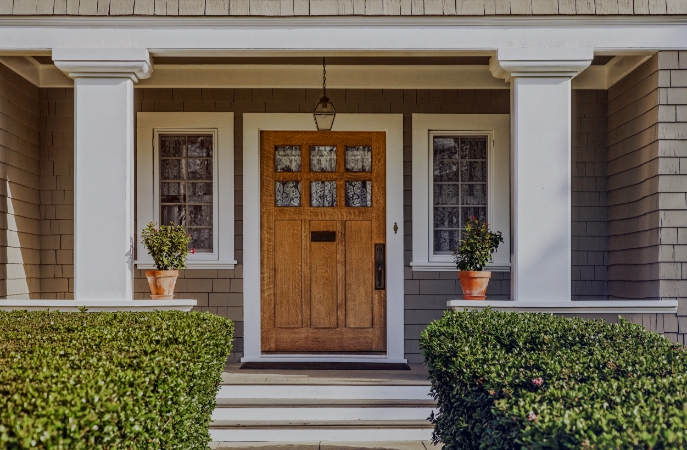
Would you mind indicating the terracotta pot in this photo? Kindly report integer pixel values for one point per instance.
(474, 284)
(162, 283)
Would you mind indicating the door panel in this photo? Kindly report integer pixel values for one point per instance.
(322, 210)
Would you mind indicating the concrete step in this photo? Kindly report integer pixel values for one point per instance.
(324, 392)
(331, 433)
(319, 403)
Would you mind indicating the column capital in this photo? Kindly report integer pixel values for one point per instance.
(540, 62)
(134, 63)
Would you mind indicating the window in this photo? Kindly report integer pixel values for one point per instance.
(459, 187)
(185, 173)
(460, 169)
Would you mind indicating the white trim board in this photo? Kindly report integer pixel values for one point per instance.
(573, 307)
(97, 306)
(221, 124)
(392, 124)
(496, 126)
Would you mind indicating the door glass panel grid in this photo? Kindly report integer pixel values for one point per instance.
(459, 187)
(186, 186)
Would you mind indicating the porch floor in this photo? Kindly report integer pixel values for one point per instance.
(416, 376)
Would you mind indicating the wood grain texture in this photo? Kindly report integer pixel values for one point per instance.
(544, 7)
(239, 7)
(521, 7)
(470, 7)
(45, 7)
(323, 278)
(502, 7)
(191, 7)
(391, 7)
(217, 7)
(326, 8)
(338, 308)
(489, 7)
(374, 8)
(119, 7)
(625, 7)
(641, 6)
(103, 7)
(24, 7)
(73, 7)
(449, 7)
(434, 7)
(359, 267)
(301, 7)
(417, 7)
(359, 7)
(142, 7)
(566, 7)
(657, 6)
(60, 7)
(286, 7)
(406, 7)
(265, 7)
(606, 7)
(676, 6)
(585, 7)
(344, 7)
(288, 273)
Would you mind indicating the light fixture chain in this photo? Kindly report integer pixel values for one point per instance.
(324, 76)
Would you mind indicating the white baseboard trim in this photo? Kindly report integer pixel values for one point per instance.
(97, 306)
(572, 307)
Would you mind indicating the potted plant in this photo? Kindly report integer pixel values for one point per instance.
(475, 250)
(168, 245)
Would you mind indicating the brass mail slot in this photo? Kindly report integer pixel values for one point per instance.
(323, 236)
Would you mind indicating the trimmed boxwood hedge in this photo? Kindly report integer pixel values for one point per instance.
(538, 381)
(109, 380)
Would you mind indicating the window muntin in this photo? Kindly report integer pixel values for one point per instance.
(458, 187)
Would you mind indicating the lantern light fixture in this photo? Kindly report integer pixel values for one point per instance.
(324, 112)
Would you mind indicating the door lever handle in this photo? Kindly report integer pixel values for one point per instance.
(380, 267)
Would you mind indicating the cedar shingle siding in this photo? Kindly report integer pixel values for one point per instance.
(340, 7)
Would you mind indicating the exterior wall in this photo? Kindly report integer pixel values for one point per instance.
(221, 291)
(589, 198)
(344, 7)
(57, 193)
(20, 230)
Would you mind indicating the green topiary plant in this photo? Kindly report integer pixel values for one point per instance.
(477, 246)
(168, 245)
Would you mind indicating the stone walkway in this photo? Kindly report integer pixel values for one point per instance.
(323, 445)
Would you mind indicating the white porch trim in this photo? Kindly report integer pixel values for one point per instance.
(392, 124)
(574, 307)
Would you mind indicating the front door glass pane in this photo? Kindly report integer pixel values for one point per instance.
(322, 158)
(288, 193)
(358, 193)
(323, 193)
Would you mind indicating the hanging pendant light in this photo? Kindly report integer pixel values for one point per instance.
(324, 113)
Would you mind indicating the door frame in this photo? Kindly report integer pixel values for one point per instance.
(392, 124)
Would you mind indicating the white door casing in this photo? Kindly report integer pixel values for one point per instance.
(392, 124)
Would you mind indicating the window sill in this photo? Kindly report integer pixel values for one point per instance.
(190, 265)
(97, 305)
(425, 266)
(575, 306)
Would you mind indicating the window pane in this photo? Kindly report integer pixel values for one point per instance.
(322, 158)
(172, 146)
(287, 193)
(186, 196)
(459, 183)
(201, 239)
(323, 193)
(200, 146)
(358, 193)
(287, 158)
(359, 158)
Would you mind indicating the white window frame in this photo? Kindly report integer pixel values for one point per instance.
(497, 129)
(221, 125)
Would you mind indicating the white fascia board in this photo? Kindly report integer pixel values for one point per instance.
(573, 307)
(350, 35)
(97, 306)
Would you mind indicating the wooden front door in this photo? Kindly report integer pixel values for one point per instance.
(322, 222)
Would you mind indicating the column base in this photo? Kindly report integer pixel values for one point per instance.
(97, 306)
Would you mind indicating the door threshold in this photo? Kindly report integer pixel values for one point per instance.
(319, 365)
(324, 358)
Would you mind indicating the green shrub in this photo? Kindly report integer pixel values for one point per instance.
(109, 380)
(538, 381)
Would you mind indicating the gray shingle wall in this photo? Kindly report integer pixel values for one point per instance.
(589, 197)
(340, 7)
(20, 239)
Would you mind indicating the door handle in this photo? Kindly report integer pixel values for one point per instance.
(380, 267)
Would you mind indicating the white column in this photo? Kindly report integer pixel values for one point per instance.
(541, 167)
(103, 167)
